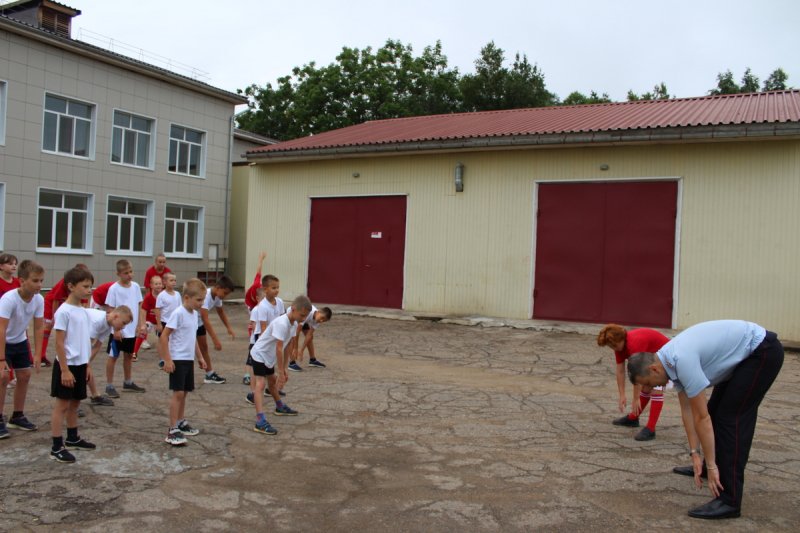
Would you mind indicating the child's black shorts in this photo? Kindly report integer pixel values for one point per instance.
(249, 361)
(78, 391)
(201, 331)
(182, 379)
(260, 369)
(18, 355)
(127, 345)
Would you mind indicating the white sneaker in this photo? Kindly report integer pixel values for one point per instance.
(146, 345)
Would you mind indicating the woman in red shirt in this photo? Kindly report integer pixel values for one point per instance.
(626, 343)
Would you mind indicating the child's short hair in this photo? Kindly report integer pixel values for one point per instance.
(125, 312)
(268, 279)
(193, 287)
(156, 277)
(301, 303)
(160, 255)
(260, 292)
(611, 334)
(326, 312)
(27, 268)
(123, 265)
(169, 275)
(75, 275)
(224, 282)
(7, 259)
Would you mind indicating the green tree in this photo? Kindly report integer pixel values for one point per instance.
(360, 85)
(494, 86)
(776, 81)
(750, 82)
(725, 84)
(659, 92)
(578, 98)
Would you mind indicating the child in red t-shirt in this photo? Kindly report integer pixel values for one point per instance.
(99, 295)
(250, 297)
(626, 343)
(8, 267)
(148, 316)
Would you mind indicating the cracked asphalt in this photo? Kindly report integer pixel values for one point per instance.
(414, 426)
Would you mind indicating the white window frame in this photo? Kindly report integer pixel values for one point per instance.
(88, 229)
(203, 144)
(151, 147)
(92, 125)
(3, 109)
(149, 226)
(2, 215)
(200, 231)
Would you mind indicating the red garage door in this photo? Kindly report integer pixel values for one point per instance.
(605, 252)
(357, 250)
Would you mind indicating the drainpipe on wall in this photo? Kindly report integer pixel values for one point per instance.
(228, 178)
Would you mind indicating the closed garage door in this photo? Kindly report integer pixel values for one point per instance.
(605, 252)
(356, 251)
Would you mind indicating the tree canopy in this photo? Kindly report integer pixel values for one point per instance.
(394, 82)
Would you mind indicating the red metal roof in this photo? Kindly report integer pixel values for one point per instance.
(736, 109)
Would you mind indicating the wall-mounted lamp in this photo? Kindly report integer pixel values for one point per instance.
(356, 174)
(459, 177)
(604, 166)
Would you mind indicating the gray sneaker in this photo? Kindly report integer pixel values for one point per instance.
(132, 387)
(102, 399)
(111, 391)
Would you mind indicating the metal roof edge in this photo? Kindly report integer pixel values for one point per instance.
(87, 50)
(649, 135)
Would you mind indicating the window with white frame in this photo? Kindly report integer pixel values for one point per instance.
(3, 89)
(183, 230)
(63, 221)
(132, 140)
(68, 126)
(128, 225)
(186, 151)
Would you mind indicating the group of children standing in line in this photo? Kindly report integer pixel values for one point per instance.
(83, 319)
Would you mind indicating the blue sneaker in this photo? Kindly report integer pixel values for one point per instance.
(280, 393)
(4, 434)
(22, 423)
(250, 398)
(295, 367)
(317, 363)
(264, 427)
(285, 410)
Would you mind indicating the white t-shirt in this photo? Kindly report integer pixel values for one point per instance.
(268, 312)
(313, 324)
(74, 321)
(99, 328)
(183, 337)
(130, 296)
(167, 304)
(210, 303)
(257, 327)
(278, 330)
(19, 314)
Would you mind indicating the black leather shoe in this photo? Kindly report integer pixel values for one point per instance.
(645, 434)
(625, 421)
(714, 510)
(689, 471)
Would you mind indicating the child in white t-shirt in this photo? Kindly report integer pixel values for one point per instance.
(103, 323)
(268, 355)
(71, 370)
(315, 318)
(17, 308)
(214, 296)
(124, 292)
(179, 348)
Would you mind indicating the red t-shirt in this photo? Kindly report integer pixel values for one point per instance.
(100, 293)
(153, 272)
(58, 294)
(148, 304)
(250, 296)
(641, 340)
(5, 286)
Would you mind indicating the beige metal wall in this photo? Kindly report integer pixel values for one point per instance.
(237, 229)
(472, 252)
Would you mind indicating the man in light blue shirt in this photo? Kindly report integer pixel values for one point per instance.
(741, 360)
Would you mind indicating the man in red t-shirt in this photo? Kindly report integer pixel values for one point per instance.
(626, 343)
(158, 269)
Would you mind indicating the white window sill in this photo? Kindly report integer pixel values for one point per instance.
(128, 254)
(62, 251)
(137, 167)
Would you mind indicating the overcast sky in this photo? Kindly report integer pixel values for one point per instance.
(602, 45)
